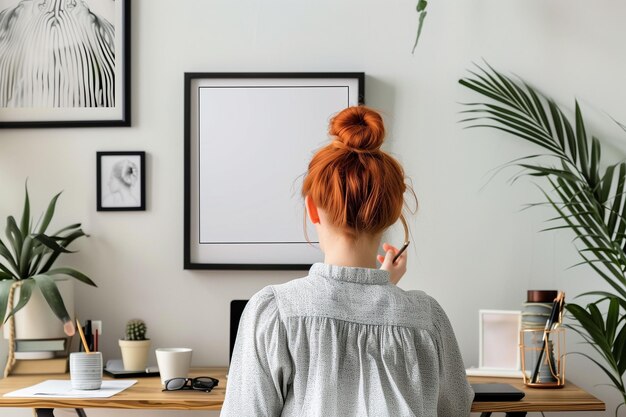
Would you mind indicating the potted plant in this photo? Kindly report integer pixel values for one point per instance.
(589, 201)
(28, 279)
(135, 347)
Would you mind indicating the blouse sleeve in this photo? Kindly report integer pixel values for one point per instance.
(260, 369)
(455, 392)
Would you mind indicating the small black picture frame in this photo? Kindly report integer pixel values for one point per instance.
(121, 181)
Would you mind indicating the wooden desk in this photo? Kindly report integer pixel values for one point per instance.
(146, 394)
(568, 398)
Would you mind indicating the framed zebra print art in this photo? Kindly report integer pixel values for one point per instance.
(64, 63)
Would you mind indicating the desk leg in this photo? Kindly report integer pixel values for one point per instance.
(485, 414)
(80, 412)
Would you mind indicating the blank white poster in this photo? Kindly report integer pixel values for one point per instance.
(253, 143)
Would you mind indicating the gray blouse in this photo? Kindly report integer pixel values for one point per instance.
(345, 342)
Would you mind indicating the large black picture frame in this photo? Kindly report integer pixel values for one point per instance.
(113, 113)
(203, 92)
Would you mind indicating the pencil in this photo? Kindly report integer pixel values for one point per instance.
(406, 239)
(402, 249)
(82, 337)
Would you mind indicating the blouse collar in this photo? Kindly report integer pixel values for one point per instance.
(350, 274)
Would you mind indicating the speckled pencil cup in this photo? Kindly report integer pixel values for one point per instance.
(86, 370)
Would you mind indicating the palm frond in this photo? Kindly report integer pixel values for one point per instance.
(589, 201)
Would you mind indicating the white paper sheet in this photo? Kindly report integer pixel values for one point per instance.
(54, 388)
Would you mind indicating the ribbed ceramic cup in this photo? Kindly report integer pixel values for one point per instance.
(86, 370)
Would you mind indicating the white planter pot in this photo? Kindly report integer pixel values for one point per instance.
(135, 354)
(36, 320)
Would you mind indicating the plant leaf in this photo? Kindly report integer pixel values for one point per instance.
(605, 294)
(595, 331)
(581, 141)
(420, 23)
(51, 243)
(612, 317)
(72, 273)
(620, 342)
(15, 237)
(53, 256)
(594, 164)
(26, 290)
(52, 295)
(66, 228)
(8, 256)
(25, 223)
(541, 111)
(48, 215)
(5, 287)
(26, 257)
(617, 202)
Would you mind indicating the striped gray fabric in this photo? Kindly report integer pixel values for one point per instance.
(56, 53)
(345, 342)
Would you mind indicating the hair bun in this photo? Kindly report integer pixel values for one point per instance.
(359, 128)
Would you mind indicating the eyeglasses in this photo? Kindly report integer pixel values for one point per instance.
(201, 383)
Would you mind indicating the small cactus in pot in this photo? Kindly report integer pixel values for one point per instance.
(135, 346)
(136, 330)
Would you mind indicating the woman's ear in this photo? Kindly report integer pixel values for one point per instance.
(311, 209)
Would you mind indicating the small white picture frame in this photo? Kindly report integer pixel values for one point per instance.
(499, 333)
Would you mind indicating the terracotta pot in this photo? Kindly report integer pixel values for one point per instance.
(135, 354)
(36, 320)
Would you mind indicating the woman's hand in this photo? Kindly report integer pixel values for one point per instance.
(396, 270)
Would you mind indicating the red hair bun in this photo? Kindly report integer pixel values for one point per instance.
(359, 128)
(359, 186)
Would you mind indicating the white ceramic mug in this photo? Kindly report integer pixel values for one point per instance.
(173, 363)
(86, 370)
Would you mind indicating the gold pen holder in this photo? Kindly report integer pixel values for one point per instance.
(543, 357)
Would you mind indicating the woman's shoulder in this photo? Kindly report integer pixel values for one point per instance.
(429, 306)
(421, 299)
(268, 297)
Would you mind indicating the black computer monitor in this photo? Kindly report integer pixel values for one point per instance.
(236, 309)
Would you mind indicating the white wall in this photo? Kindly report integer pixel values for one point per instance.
(473, 247)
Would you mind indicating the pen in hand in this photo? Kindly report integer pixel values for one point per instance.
(402, 249)
(406, 239)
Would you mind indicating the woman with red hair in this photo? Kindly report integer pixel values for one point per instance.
(345, 340)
